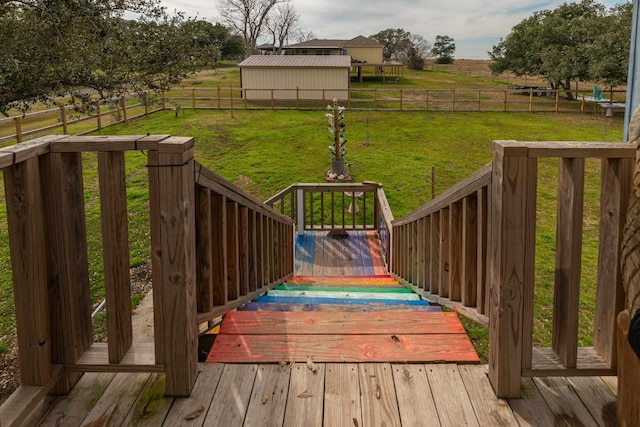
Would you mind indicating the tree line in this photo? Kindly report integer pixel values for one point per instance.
(50, 49)
(55, 48)
(580, 41)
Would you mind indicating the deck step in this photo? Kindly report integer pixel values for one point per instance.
(338, 294)
(328, 323)
(263, 337)
(335, 299)
(367, 307)
(349, 288)
(381, 279)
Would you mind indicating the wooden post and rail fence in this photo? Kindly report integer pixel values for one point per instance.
(213, 247)
(57, 120)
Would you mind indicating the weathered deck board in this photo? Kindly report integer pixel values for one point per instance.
(570, 407)
(489, 409)
(231, 399)
(326, 405)
(454, 406)
(269, 396)
(195, 407)
(326, 323)
(378, 395)
(415, 400)
(117, 399)
(343, 348)
(306, 394)
(342, 395)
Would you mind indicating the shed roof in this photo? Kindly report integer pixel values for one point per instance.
(297, 61)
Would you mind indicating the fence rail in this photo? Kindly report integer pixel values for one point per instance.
(70, 120)
(396, 99)
(66, 121)
(473, 248)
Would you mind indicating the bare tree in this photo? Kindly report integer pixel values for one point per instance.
(247, 17)
(281, 23)
(305, 36)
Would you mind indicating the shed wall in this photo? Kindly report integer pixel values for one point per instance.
(310, 83)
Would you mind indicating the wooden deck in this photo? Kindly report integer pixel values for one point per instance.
(336, 394)
(303, 391)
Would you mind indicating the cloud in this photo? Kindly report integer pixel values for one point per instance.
(475, 25)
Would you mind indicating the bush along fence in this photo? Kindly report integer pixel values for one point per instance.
(65, 120)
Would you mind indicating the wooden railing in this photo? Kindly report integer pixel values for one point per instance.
(213, 247)
(441, 250)
(337, 206)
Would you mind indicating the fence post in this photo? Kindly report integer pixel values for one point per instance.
(98, 115)
(123, 103)
(175, 198)
(18, 122)
(63, 117)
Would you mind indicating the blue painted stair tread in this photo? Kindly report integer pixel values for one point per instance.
(355, 295)
(337, 300)
(370, 307)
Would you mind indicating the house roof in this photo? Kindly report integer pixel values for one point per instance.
(297, 61)
(360, 41)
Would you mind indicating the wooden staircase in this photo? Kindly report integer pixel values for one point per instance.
(356, 318)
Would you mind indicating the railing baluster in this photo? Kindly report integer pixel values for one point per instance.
(445, 261)
(233, 251)
(568, 259)
(469, 261)
(115, 249)
(455, 251)
(616, 176)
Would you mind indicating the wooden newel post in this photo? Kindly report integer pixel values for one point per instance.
(177, 245)
(508, 262)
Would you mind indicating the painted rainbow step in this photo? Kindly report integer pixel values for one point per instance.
(341, 294)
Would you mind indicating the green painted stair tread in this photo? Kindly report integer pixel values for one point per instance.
(334, 294)
(363, 288)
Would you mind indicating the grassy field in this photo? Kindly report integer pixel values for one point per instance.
(264, 152)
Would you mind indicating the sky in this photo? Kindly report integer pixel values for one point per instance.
(475, 25)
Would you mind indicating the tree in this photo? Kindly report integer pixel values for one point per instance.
(396, 42)
(443, 49)
(281, 23)
(51, 49)
(248, 18)
(574, 42)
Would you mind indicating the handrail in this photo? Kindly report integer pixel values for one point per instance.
(201, 226)
(328, 206)
(441, 247)
(483, 231)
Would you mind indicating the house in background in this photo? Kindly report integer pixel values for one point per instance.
(295, 77)
(363, 51)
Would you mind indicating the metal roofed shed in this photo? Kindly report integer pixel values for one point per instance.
(295, 77)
